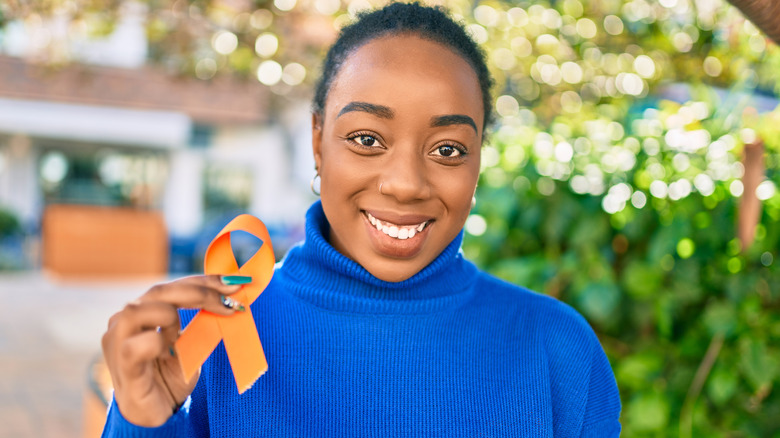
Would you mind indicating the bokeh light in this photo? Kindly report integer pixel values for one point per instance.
(266, 44)
(225, 42)
(285, 5)
(293, 73)
(269, 72)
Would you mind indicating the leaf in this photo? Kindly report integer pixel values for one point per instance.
(686, 282)
(721, 386)
(635, 371)
(758, 365)
(589, 230)
(531, 272)
(720, 317)
(599, 300)
(642, 280)
(664, 311)
(648, 412)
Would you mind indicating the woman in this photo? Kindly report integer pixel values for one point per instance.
(376, 325)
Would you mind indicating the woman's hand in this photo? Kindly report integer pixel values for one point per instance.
(138, 346)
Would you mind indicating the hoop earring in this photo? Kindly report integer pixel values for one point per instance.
(315, 178)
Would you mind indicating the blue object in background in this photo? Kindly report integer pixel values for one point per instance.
(186, 253)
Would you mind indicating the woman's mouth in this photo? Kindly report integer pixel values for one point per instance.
(401, 232)
(396, 236)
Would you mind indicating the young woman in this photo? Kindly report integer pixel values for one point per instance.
(376, 325)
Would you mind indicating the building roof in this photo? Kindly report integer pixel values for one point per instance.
(219, 101)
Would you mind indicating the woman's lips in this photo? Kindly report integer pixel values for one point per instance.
(397, 231)
(397, 236)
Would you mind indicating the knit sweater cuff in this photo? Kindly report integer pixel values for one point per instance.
(118, 427)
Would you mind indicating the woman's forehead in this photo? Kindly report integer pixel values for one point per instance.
(398, 68)
(409, 50)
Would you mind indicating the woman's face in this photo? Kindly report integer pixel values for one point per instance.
(398, 150)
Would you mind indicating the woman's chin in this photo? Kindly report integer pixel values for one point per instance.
(392, 272)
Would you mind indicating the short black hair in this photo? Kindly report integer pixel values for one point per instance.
(431, 23)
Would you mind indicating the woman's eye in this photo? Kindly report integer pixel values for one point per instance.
(448, 151)
(366, 140)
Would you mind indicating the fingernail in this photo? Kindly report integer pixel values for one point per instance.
(232, 280)
(172, 351)
(230, 303)
(227, 301)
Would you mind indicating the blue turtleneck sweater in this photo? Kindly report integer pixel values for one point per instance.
(449, 352)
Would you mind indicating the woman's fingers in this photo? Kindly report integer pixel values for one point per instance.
(141, 316)
(135, 337)
(137, 351)
(148, 327)
(206, 292)
(170, 334)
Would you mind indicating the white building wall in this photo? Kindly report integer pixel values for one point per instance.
(276, 198)
(19, 189)
(183, 197)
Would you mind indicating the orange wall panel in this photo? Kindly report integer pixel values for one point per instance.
(94, 241)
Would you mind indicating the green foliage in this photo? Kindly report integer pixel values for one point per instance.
(657, 286)
(9, 229)
(9, 223)
(624, 203)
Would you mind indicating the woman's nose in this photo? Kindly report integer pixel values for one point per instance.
(404, 177)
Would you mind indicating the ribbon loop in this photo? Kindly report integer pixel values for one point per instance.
(237, 331)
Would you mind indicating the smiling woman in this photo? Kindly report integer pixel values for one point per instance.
(401, 113)
(376, 325)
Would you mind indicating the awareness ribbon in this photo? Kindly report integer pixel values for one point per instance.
(237, 331)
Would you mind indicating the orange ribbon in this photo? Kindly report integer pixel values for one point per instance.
(237, 331)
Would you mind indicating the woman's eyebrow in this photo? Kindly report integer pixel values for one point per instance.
(377, 110)
(453, 119)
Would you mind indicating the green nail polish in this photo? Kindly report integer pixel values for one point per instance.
(232, 280)
(241, 308)
(172, 351)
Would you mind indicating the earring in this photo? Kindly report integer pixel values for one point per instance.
(315, 178)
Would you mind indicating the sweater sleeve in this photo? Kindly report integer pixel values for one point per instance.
(118, 427)
(602, 412)
(198, 420)
(585, 399)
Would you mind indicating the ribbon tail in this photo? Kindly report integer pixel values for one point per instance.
(196, 343)
(244, 350)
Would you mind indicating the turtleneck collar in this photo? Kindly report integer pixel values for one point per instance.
(316, 272)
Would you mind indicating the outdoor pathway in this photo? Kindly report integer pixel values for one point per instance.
(49, 333)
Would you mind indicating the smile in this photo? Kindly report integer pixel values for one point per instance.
(401, 232)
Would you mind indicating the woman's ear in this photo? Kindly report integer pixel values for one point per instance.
(316, 138)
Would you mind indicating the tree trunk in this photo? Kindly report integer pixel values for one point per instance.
(765, 14)
(750, 205)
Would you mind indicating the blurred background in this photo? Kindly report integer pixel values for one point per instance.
(632, 172)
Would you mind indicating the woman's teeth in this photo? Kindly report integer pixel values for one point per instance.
(396, 231)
